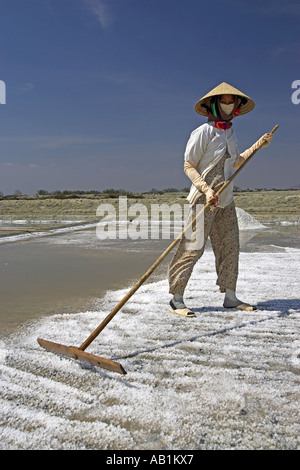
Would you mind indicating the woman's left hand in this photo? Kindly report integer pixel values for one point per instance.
(266, 140)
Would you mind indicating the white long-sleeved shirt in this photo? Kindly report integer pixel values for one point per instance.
(205, 148)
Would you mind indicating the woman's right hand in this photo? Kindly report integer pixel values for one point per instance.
(212, 198)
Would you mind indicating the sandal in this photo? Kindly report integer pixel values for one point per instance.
(183, 312)
(243, 306)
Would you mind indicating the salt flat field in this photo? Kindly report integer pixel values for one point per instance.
(226, 379)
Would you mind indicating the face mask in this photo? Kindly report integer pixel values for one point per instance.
(227, 108)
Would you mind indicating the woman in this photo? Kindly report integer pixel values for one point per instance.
(211, 157)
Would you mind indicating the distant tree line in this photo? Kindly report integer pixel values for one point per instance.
(110, 192)
(113, 193)
(107, 193)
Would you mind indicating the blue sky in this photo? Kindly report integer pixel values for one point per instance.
(100, 93)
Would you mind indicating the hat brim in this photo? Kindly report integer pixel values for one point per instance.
(224, 89)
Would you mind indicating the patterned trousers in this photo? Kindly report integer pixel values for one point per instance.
(221, 226)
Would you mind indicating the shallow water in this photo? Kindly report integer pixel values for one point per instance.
(51, 276)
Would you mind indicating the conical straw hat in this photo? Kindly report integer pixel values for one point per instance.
(224, 89)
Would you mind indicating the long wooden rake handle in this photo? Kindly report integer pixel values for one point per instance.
(160, 259)
(22, 230)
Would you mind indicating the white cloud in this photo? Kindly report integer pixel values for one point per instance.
(66, 141)
(288, 51)
(280, 8)
(25, 87)
(55, 141)
(101, 12)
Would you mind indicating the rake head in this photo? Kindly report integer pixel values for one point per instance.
(80, 355)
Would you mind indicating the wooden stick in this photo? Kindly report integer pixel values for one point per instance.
(22, 230)
(160, 259)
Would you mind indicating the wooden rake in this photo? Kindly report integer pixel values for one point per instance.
(78, 353)
(22, 230)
